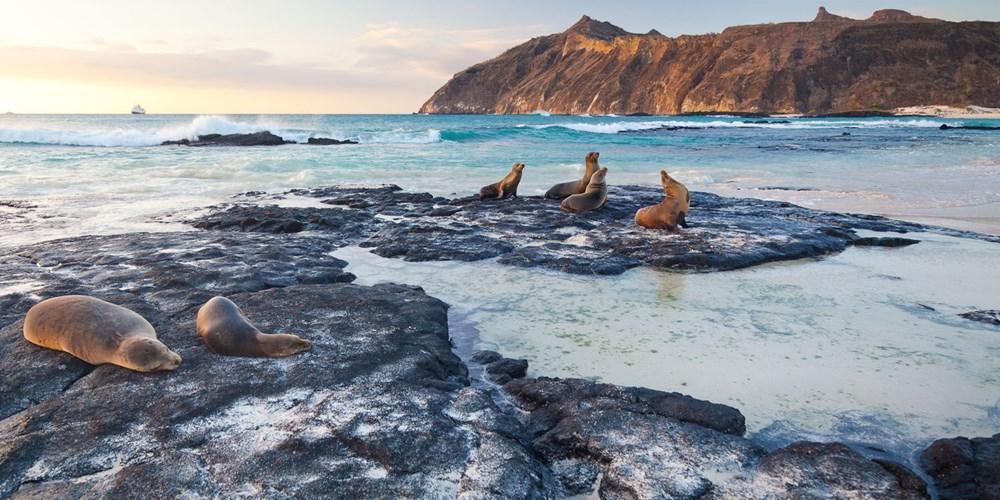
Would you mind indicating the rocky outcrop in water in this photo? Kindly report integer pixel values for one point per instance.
(964, 468)
(251, 139)
(990, 317)
(830, 65)
(530, 231)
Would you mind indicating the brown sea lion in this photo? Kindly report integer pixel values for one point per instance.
(596, 195)
(506, 187)
(225, 330)
(564, 189)
(98, 332)
(669, 213)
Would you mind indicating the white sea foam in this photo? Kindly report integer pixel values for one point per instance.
(631, 126)
(201, 125)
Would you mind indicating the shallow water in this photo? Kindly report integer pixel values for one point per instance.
(862, 346)
(103, 173)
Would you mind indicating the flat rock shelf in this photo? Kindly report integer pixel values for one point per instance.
(530, 231)
(382, 406)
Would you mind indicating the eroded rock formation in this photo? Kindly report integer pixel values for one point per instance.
(829, 65)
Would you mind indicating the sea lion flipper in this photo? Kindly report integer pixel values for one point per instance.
(682, 220)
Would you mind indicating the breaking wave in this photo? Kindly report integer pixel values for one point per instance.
(151, 135)
(635, 126)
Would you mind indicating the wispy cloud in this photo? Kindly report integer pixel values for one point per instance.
(389, 57)
(433, 54)
(240, 67)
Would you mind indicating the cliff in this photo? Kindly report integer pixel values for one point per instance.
(828, 65)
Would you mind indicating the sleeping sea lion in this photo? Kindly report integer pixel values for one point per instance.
(669, 213)
(596, 195)
(225, 330)
(564, 189)
(506, 187)
(98, 332)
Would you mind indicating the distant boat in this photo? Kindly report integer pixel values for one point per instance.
(138, 110)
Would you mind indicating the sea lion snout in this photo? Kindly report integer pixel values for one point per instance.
(149, 355)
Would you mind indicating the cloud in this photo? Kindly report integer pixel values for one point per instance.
(388, 58)
(242, 68)
(432, 55)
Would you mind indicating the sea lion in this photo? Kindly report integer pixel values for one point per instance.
(669, 213)
(506, 187)
(98, 332)
(564, 189)
(596, 195)
(225, 330)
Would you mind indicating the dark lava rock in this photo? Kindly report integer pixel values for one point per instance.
(326, 141)
(964, 468)
(251, 139)
(945, 126)
(349, 225)
(990, 317)
(563, 395)
(380, 407)
(822, 470)
(642, 442)
(504, 370)
(424, 243)
(884, 242)
(157, 275)
(725, 233)
(485, 357)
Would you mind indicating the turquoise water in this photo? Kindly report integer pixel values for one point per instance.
(103, 173)
(832, 349)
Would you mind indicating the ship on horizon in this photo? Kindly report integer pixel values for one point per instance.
(138, 110)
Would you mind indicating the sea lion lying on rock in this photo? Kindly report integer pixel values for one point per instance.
(596, 195)
(225, 330)
(506, 187)
(669, 213)
(98, 332)
(564, 189)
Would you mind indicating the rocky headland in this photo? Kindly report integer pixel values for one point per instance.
(382, 406)
(832, 64)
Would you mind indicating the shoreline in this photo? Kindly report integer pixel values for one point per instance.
(386, 362)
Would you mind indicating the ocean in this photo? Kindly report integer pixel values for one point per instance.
(864, 346)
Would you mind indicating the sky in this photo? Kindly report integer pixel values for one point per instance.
(311, 56)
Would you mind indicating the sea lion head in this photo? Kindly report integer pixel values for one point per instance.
(598, 177)
(593, 156)
(146, 354)
(518, 167)
(280, 345)
(670, 185)
(664, 178)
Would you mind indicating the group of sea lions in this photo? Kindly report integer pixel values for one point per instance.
(100, 332)
(591, 193)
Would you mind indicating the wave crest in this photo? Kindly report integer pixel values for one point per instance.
(150, 135)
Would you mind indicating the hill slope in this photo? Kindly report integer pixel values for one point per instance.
(831, 64)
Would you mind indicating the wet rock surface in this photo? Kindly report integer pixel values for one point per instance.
(990, 317)
(251, 139)
(380, 407)
(326, 141)
(964, 468)
(639, 443)
(530, 231)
